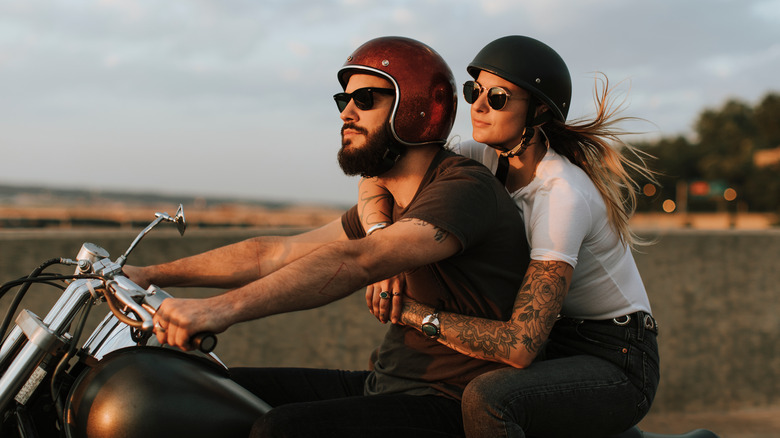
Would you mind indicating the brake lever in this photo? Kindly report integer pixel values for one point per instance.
(126, 291)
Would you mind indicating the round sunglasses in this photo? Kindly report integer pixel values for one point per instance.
(496, 96)
(363, 97)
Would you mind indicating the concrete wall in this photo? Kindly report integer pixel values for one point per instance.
(716, 295)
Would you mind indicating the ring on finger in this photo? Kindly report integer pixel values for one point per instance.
(159, 327)
(384, 295)
(395, 294)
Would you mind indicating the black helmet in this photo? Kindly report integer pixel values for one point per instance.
(531, 65)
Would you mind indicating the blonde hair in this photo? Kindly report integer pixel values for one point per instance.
(595, 146)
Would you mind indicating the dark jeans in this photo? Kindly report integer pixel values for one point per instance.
(594, 379)
(330, 403)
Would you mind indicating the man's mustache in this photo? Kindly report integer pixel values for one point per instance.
(353, 127)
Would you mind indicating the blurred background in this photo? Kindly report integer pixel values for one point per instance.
(111, 110)
(233, 98)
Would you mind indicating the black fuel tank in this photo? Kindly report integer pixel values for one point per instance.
(159, 392)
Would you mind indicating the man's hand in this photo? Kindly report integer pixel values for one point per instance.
(136, 275)
(385, 298)
(178, 320)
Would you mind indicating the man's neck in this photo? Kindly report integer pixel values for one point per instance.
(405, 177)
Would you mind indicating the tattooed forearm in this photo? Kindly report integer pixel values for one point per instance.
(519, 340)
(414, 312)
(540, 300)
(490, 339)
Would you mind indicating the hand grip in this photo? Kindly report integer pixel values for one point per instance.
(204, 341)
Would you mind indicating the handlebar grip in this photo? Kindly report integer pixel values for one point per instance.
(204, 341)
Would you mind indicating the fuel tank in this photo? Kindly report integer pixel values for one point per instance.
(159, 392)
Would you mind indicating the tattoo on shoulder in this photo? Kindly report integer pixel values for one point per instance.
(439, 235)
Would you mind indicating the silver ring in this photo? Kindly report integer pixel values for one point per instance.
(384, 295)
(159, 327)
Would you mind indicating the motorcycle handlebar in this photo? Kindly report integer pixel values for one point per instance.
(205, 342)
(125, 290)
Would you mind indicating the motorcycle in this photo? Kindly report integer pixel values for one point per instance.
(120, 381)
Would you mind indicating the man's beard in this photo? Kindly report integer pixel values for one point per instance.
(368, 160)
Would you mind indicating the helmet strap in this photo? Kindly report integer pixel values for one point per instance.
(389, 158)
(532, 121)
(525, 141)
(503, 168)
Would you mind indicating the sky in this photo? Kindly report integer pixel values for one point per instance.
(234, 97)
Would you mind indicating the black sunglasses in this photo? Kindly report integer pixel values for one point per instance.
(496, 96)
(363, 97)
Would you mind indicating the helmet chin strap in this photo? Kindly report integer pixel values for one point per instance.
(532, 122)
(389, 158)
(525, 141)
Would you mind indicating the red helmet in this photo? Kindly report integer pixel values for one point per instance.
(425, 93)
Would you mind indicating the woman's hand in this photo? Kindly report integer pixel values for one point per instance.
(385, 299)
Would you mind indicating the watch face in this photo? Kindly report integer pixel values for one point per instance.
(430, 329)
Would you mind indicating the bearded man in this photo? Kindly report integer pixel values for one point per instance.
(455, 236)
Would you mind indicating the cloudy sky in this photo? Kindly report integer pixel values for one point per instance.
(233, 97)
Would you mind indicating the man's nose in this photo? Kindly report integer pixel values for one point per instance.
(349, 113)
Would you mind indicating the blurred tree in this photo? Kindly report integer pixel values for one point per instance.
(726, 141)
(763, 189)
(767, 119)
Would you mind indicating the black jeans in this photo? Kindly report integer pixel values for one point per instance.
(330, 403)
(593, 380)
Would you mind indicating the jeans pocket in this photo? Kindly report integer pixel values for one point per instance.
(607, 342)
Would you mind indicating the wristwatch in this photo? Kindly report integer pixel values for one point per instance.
(430, 325)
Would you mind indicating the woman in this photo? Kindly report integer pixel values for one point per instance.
(581, 342)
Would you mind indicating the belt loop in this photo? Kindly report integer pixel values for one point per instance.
(640, 326)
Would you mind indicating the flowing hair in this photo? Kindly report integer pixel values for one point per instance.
(594, 145)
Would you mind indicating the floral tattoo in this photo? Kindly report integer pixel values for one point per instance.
(535, 311)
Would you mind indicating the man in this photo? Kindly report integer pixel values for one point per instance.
(455, 236)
